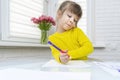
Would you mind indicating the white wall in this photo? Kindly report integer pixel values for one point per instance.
(19, 53)
(107, 31)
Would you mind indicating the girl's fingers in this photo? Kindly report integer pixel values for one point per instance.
(66, 58)
(63, 60)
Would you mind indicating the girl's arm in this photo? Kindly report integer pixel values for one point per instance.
(85, 48)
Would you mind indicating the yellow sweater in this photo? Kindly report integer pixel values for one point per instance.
(74, 40)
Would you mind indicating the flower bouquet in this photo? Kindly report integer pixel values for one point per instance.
(44, 24)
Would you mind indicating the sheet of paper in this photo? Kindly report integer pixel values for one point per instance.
(22, 74)
(70, 64)
(110, 67)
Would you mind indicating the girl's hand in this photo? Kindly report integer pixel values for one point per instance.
(64, 57)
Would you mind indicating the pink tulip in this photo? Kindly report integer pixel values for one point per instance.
(44, 21)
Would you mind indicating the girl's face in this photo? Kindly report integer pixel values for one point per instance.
(67, 21)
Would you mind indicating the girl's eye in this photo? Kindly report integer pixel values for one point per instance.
(75, 21)
(69, 16)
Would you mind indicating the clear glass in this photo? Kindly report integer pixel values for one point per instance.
(44, 37)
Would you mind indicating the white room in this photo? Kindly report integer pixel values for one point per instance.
(23, 54)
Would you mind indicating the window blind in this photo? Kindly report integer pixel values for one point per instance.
(83, 21)
(21, 26)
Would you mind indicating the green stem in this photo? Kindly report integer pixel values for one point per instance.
(44, 37)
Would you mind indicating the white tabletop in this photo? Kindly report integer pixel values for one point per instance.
(97, 73)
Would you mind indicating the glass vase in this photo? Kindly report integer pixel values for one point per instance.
(44, 37)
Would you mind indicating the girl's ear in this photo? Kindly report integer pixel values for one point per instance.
(59, 14)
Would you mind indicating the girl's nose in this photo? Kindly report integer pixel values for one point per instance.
(71, 20)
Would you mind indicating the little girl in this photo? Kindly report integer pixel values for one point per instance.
(68, 36)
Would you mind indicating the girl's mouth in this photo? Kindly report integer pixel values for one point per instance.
(68, 25)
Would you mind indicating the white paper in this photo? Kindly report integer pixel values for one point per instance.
(110, 67)
(70, 64)
(22, 74)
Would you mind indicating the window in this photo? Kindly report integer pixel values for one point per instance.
(15, 15)
(15, 18)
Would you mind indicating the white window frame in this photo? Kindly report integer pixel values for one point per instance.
(91, 23)
(4, 18)
(91, 20)
(4, 24)
(5, 40)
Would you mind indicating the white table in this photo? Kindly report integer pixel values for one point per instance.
(96, 72)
